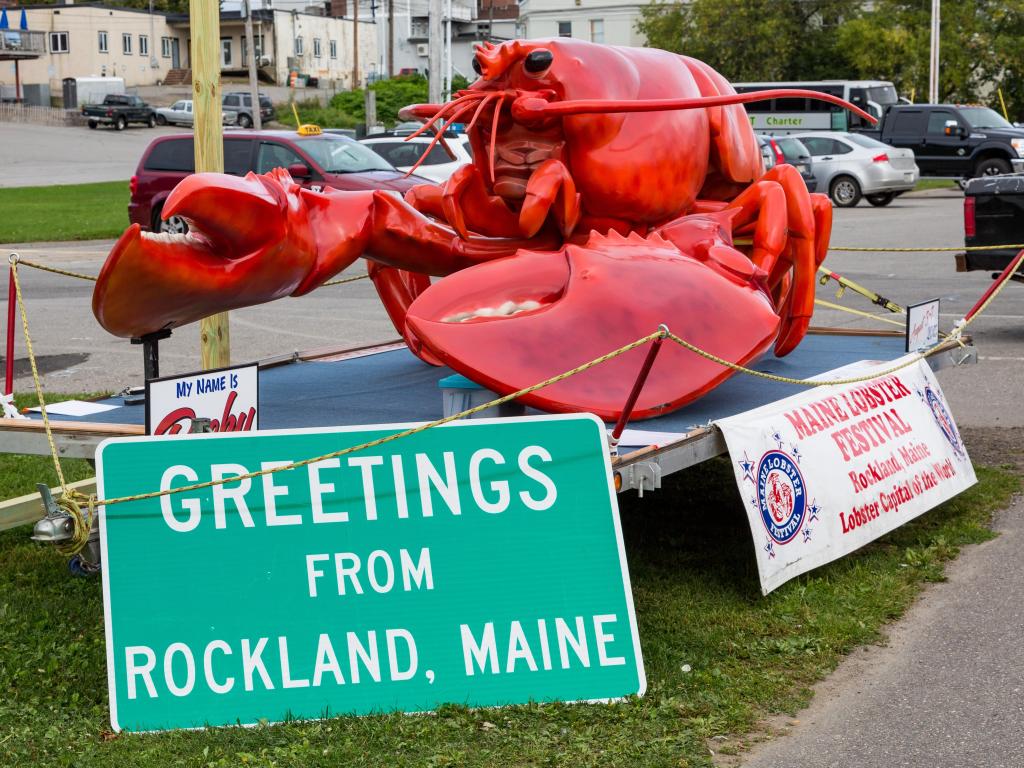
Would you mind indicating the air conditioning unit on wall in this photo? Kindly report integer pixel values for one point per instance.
(422, 49)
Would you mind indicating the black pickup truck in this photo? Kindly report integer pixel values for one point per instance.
(118, 110)
(953, 141)
(993, 215)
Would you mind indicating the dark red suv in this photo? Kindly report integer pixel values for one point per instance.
(325, 160)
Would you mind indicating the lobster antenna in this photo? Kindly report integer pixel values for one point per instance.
(539, 108)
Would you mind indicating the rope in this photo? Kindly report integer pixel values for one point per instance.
(389, 438)
(344, 280)
(83, 523)
(852, 311)
(1015, 246)
(13, 260)
(54, 270)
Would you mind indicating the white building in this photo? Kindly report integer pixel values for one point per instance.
(598, 21)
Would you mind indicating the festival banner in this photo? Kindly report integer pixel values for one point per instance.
(479, 563)
(228, 397)
(826, 471)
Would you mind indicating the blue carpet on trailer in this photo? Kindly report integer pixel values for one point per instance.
(395, 387)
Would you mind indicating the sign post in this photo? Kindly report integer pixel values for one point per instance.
(478, 563)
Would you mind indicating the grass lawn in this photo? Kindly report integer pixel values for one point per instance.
(697, 601)
(63, 212)
(924, 184)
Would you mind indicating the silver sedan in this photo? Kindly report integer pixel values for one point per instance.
(180, 113)
(849, 166)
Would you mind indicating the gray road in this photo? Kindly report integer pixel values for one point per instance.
(39, 155)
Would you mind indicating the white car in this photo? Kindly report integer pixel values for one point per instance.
(180, 113)
(849, 166)
(438, 165)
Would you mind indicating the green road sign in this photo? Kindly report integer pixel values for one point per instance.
(479, 563)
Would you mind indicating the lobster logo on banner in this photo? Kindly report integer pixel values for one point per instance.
(781, 499)
(944, 421)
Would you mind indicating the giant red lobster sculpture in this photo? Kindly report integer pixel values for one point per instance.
(606, 191)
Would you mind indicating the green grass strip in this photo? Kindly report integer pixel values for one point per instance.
(718, 654)
(63, 212)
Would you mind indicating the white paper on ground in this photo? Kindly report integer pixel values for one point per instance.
(75, 408)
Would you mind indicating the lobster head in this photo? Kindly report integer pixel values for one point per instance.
(638, 168)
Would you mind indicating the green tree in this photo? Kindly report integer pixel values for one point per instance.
(753, 40)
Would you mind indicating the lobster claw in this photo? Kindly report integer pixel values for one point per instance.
(511, 323)
(250, 240)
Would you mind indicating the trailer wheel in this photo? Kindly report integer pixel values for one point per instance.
(93, 124)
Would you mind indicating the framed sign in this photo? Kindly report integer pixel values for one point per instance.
(922, 325)
(478, 563)
(228, 397)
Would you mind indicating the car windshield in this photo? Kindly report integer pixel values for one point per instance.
(983, 117)
(337, 154)
(793, 149)
(866, 141)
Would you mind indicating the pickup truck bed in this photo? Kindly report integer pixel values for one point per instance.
(993, 215)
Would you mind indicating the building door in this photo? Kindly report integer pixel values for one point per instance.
(225, 52)
(175, 54)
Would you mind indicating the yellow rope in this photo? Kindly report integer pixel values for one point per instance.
(69, 496)
(398, 435)
(1016, 246)
(852, 311)
(55, 270)
(344, 280)
(13, 259)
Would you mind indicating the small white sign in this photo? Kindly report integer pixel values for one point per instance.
(922, 325)
(826, 471)
(228, 397)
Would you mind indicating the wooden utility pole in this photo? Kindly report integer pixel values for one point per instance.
(204, 16)
(254, 90)
(355, 44)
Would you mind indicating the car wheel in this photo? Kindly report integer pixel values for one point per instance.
(93, 124)
(244, 121)
(993, 166)
(845, 192)
(120, 124)
(161, 120)
(152, 121)
(882, 199)
(175, 225)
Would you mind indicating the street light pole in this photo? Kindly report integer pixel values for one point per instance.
(250, 63)
(435, 50)
(933, 69)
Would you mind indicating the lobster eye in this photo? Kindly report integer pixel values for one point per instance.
(476, 66)
(538, 61)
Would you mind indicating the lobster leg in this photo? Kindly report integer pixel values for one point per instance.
(787, 245)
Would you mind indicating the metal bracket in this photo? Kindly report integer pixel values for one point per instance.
(57, 526)
(200, 426)
(644, 475)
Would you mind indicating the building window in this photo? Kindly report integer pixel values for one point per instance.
(597, 30)
(298, 45)
(126, 43)
(316, 47)
(257, 41)
(418, 27)
(103, 43)
(165, 47)
(334, 49)
(58, 42)
(565, 29)
(143, 45)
